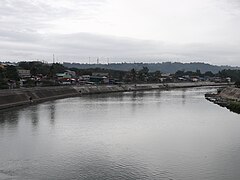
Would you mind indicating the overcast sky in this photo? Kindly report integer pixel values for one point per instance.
(121, 30)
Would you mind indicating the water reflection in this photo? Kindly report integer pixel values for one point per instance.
(157, 97)
(183, 96)
(122, 136)
(106, 168)
(34, 115)
(137, 95)
(9, 118)
(52, 109)
(158, 94)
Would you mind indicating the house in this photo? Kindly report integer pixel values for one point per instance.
(100, 74)
(63, 75)
(2, 66)
(181, 79)
(72, 73)
(167, 77)
(99, 80)
(23, 73)
(228, 79)
(84, 78)
(217, 79)
(64, 78)
(195, 79)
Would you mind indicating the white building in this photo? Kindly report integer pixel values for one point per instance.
(24, 73)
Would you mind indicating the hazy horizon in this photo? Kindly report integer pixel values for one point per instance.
(121, 31)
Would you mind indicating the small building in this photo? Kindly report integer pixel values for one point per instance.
(23, 73)
(64, 75)
(228, 79)
(195, 79)
(84, 78)
(99, 80)
(72, 73)
(100, 74)
(217, 79)
(2, 66)
(181, 79)
(166, 77)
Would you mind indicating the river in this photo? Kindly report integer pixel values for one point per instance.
(172, 135)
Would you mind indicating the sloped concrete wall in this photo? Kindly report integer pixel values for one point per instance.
(11, 98)
(231, 93)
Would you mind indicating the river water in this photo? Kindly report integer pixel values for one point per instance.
(175, 135)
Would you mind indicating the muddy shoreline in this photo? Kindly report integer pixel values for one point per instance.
(228, 97)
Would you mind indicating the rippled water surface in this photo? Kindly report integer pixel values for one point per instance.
(173, 134)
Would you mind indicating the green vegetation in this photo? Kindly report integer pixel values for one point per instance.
(37, 67)
(234, 106)
(237, 84)
(8, 75)
(42, 74)
(181, 73)
(233, 74)
(164, 67)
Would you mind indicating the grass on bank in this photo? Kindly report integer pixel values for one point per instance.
(234, 106)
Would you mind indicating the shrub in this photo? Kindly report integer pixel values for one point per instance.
(234, 106)
(237, 84)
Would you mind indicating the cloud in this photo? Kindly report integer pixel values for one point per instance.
(36, 14)
(80, 46)
(35, 29)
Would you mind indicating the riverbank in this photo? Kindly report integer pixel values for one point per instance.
(228, 97)
(18, 97)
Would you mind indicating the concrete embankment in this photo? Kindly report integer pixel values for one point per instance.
(17, 97)
(141, 87)
(230, 93)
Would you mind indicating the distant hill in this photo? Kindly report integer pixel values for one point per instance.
(165, 67)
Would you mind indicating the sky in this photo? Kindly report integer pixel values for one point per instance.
(121, 31)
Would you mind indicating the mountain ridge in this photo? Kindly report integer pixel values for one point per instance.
(164, 67)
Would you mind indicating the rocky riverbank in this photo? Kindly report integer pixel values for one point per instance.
(18, 97)
(228, 97)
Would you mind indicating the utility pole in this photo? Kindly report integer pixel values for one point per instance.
(53, 59)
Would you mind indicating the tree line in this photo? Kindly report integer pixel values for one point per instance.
(49, 71)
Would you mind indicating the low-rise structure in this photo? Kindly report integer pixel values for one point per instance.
(100, 74)
(63, 75)
(72, 73)
(2, 66)
(23, 73)
(99, 80)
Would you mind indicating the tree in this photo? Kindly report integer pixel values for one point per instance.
(56, 68)
(145, 70)
(11, 73)
(233, 74)
(179, 73)
(59, 68)
(237, 84)
(143, 74)
(2, 74)
(35, 67)
(154, 77)
(133, 75)
(120, 76)
(209, 74)
(198, 72)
